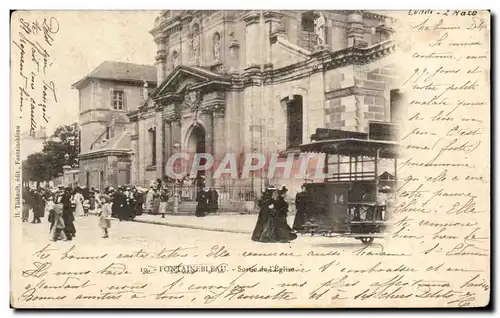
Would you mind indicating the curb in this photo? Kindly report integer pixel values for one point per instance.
(194, 227)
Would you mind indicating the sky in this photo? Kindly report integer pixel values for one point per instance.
(83, 40)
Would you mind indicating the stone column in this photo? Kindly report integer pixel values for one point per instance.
(219, 137)
(140, 156)
(176, 135)
(234, 54)
(161, 57)
(360, 113)
(209, 143)
(167, 153)
(252, 42)
(355, 29)
(159, 144)
(272, 25)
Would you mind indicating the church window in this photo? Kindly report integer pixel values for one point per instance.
(152, 142)
(294, 122)
(108, 132)
(118, 100)
(307, 37)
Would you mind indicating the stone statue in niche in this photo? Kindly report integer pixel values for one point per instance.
(217, 47)
(175, 59)
(195, 42)
(319, 29)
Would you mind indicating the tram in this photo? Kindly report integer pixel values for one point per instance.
(359, 188)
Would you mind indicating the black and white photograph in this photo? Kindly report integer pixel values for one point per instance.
(250, 159)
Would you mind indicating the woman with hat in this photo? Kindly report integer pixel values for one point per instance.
(105, 215)
(284, 232)
(57, 224)
(202, 202)
(78, 199)
(301, 207)
(264, 229)
(67, 214)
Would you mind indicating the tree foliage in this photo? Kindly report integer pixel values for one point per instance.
(48, 164)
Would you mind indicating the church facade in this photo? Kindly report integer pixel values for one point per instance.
(259, 82)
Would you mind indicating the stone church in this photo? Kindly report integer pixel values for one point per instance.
(258, 82)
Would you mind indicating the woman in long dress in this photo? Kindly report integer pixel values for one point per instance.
(301, 206)
(202, 200)
(57, 221)
(27, 204)
(148, 203)
(264, 229)
(68, 216)
(284, 232)
(78, 199)
(156, 202)
(164, 195)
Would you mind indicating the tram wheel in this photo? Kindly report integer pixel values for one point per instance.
(367, 240)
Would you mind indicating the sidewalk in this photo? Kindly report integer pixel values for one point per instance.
(222, 222)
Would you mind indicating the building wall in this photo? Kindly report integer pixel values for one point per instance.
(255, 117)
(104, 170)
(145, 170)
(97, 111)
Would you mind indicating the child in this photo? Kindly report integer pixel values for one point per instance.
(86, 207)
(105, 215)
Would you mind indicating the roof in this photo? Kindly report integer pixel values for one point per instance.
(121, 71)
(119, 141)
(354, 147)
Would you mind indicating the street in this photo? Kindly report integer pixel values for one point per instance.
(154, 236)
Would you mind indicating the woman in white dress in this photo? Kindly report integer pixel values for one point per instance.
(78, 198)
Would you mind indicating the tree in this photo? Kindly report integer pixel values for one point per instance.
(35, 168)
(64, 140)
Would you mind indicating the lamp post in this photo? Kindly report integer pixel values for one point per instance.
(66, 167)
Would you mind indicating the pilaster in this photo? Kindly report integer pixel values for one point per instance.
(159, 144)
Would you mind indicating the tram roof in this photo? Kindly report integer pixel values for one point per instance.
(353, 147)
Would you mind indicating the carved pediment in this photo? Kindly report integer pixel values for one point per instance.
(184, 76)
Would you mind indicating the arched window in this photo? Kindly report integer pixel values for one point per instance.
(307, 37)
(152, 142)
(294, 122)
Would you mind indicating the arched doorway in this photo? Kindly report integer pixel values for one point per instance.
(197, 144)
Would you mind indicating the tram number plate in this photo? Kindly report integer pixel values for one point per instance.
(338, 198)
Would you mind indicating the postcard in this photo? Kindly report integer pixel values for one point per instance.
(250, 159)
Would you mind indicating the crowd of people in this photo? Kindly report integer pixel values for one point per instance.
(61, 204)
